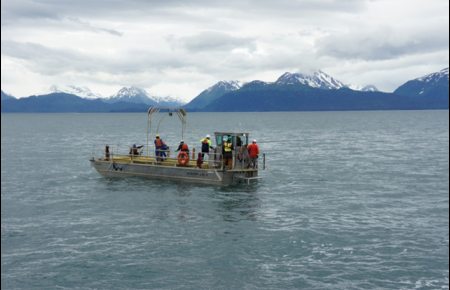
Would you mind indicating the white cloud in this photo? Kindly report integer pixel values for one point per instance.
(179, 48)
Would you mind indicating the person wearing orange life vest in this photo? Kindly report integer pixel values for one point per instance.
(183, 147)
(206, 145)
(227, 151)
(160, 148)
(253, 152)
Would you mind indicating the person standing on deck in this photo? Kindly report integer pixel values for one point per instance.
(206, 145)
(253, 152)
(183, 147)
(160, 148)
(135, 150)
(227, 151)
(242, 152)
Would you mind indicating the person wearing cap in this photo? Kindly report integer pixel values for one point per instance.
(182, 147)
(160, 148)
(253, 152)
(206, 145)
(227, 151)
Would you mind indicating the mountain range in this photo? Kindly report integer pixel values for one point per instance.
(429, 86)
(80, 99)
(290, 92)
(321, 92)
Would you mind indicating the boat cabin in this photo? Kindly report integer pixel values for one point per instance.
(237, 139)
(239, 153)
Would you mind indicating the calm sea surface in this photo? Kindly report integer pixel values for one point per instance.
(349, 200)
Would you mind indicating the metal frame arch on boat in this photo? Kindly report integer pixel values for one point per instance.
(152, 110)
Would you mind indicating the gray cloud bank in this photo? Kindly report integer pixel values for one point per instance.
(178, 48)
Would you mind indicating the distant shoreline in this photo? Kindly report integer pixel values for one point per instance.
(252, 112)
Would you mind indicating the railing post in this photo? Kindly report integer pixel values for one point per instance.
(233, 159)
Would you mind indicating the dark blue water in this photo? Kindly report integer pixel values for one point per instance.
(349, 200)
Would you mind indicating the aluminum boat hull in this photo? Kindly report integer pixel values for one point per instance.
(197, 175)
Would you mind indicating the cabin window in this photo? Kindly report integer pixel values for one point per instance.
(241, 140)
(219, 140)
(237, 140)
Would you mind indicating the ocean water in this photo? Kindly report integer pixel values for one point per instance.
(349, 200)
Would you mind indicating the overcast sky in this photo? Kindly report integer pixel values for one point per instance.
(179, 48)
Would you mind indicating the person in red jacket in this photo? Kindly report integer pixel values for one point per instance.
(253, 152)
(183, 147)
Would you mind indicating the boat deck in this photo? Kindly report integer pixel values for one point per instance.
(168, 162)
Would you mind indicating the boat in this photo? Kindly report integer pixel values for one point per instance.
(187, 167)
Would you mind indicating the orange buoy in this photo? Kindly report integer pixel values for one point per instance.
(183, 158)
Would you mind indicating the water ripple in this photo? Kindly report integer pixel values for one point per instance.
(350, 200)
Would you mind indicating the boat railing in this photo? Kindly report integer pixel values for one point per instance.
(114, 153)
(240, 160)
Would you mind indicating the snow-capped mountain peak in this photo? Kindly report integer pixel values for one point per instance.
(434, 77)
(83, 92)
(318, 79)
(368, 88)
(226, 85)
(138, 95)
(131, 95)
(130, 92)
(168, 101)
(426, 86)
(213, 92)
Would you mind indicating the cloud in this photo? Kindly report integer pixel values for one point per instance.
(214, 41)
(43, 59)
(19, 9)
(84, 25)
(181, 47)
(383, 43)
(47, 60)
